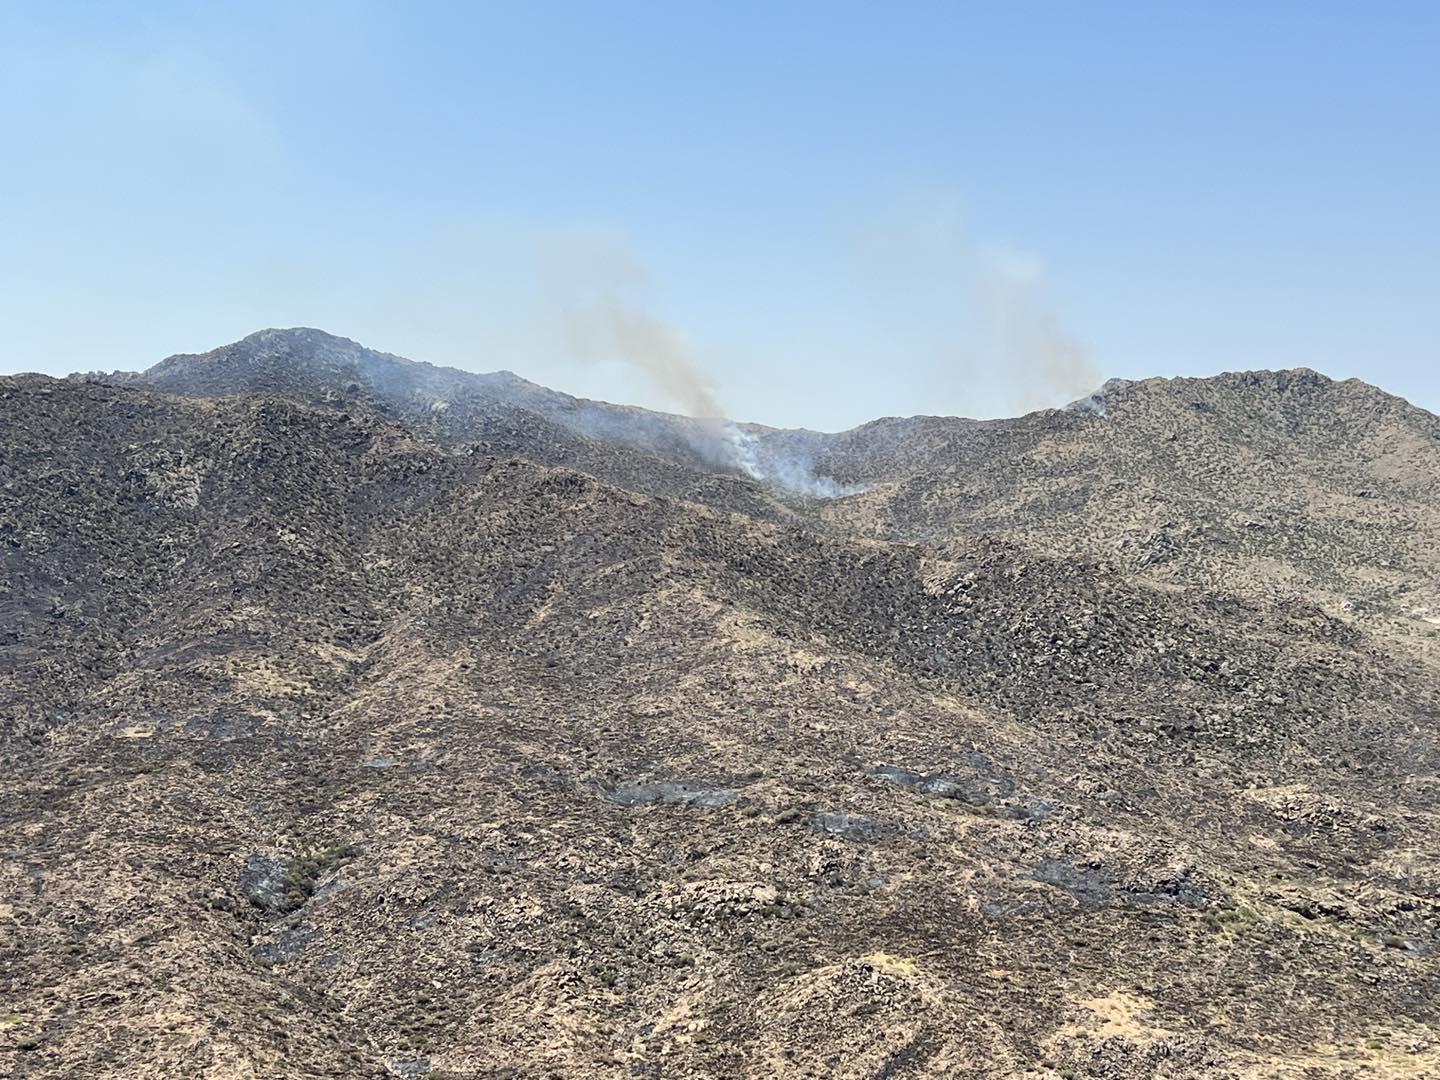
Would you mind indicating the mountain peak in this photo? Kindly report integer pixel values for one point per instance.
(362, 676)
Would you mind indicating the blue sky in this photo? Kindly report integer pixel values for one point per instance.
(822, 200)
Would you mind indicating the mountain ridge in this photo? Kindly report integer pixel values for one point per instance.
(302, 343)
(340, 745)
(1166, 474)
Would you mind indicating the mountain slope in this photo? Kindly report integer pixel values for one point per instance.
(336, 752)
(1258, 481)
(1271, 483)
(496, 413)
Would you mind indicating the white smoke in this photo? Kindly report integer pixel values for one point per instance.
(594, 286)
(779, 462)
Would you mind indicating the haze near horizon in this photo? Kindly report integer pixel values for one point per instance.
(823, 214)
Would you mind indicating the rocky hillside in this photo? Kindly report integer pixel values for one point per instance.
(498, 413)
(1279, 483)
(1272, 482)
(337, 744)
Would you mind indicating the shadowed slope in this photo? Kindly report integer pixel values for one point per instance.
(1266, 482)
(336, 753)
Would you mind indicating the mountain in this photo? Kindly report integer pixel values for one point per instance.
(1255, 481)
(346, 735)
(1258, 482)
(498, 413)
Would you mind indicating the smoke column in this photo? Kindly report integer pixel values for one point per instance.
(601, 320)
(985, 313)
(1033, 348)
(592, 288)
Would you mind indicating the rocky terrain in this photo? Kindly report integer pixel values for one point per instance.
(360, 718)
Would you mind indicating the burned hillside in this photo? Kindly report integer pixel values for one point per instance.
(341, 746)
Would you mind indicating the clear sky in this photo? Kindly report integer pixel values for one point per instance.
(839, 207)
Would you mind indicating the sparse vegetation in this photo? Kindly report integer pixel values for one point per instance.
(659, 773)
(1233, 919)
(308, 865)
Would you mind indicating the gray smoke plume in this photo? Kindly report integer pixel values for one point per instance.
(602, 321)
(1038, 356)
(593, 290)
(984, 313)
